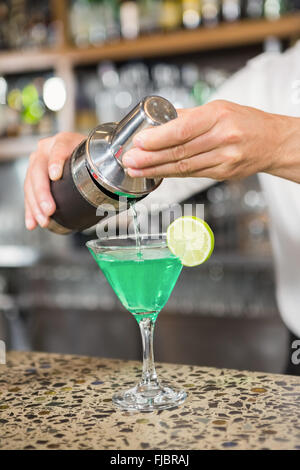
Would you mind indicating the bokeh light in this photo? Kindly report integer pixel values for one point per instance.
(3, 90)
(33, 113)
(54, 93)
(29, 95)
(14, 99)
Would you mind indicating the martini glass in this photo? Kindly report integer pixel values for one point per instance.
(143, 278)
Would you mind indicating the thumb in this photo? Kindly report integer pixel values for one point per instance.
(59, 155)
(62, 147)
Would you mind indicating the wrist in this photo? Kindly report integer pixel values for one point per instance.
(284, 149)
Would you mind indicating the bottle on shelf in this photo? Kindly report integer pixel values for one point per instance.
(17, 24)
(231, 10)
(254, 8)
(274, 9)
(94, 21)
(129, 19)
(39, 26)
(96, 28)
(87, 25)
(4, 26)
(171, 15)
(211, 12)
(111, 19)
(149, 13)
(25, 23)
(191, 13)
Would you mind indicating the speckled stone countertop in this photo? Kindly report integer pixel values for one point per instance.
(51, 401)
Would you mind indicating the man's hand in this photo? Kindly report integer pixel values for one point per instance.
(47, 161)
(220, 140)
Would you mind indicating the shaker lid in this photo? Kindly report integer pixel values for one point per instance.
(108, 143)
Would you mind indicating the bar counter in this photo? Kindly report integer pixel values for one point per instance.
(52, 401)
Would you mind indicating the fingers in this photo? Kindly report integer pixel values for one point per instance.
(138, 158)
(33, 209)
(180, 168)
(30, 222)
(39, 204)
(189, 124)
(47, 161)
(59, 151)
(199, 139)
(40, 185)
(57, 160)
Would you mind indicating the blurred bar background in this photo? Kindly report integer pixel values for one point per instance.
(70, 64)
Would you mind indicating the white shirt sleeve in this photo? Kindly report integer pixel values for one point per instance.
(251, 86)
(175, 190)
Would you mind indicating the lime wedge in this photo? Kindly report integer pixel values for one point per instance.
(191, 239)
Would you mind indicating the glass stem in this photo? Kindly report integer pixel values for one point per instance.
(149, 376)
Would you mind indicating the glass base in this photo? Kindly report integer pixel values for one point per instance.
(149, 398)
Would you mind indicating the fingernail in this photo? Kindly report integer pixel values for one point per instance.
(133, 172)
(42, 221)
(55, 171)
(46, 207)
(29, 224)
(139, 140)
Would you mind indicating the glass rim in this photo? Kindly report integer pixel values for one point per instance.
(160, 238)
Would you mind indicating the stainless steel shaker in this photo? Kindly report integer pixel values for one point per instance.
(94, 174)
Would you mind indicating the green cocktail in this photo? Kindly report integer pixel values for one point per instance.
(143, 280)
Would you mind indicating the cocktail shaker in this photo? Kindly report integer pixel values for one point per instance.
(94, 174)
